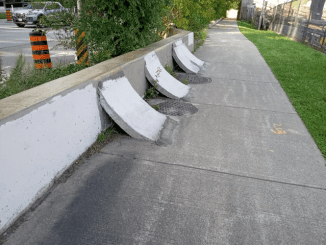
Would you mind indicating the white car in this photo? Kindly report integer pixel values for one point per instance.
(19, 16)
(43, 9)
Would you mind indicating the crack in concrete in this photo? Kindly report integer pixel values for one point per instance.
(221, 172)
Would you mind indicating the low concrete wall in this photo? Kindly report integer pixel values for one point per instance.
(45, 129)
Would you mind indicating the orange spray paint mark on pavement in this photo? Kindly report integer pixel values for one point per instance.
(278, 129)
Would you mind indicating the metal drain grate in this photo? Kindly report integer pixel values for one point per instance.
(193, 79)
(176, 108)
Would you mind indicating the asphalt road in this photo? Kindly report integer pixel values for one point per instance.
(15, 40)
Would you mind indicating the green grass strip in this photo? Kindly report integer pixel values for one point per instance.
(301, 72)
(3, 16)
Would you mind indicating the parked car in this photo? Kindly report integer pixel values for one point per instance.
(43, 9)
(19, 16)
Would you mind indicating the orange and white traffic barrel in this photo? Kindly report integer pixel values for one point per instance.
(40, 50)
(8, 15)
(82, 52)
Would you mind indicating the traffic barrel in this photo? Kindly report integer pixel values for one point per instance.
(8, 15)
(40, 50)
(82, 52)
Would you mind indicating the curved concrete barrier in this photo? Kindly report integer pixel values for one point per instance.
(185, 59)
(166, 84)
(129, 110)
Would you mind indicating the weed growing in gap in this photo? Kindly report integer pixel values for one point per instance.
(105, 134)
(185, 81)
(169, 69)
(152, 92)
(156, 107)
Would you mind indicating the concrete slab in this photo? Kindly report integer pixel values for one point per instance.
(185, 59)
(119, 200)
(129, 110)
(158, 76)
(242, 141)
(244, 94)
(179, 45)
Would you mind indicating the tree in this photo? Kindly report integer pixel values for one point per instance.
(119, 26)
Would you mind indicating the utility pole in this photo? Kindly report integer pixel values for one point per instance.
(261, 14)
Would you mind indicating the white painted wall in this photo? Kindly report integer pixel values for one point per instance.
(38, 146)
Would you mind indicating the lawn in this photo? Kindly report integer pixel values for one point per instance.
(301, 72)
(3, 16)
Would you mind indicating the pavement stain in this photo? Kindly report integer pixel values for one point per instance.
(278, 129)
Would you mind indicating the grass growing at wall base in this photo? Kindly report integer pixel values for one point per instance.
(24, 76)
(200, 38)
(301, 72)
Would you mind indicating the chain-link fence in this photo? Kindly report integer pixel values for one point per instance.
(301, 20)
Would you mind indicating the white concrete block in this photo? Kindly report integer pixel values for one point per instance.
(185, 59)
(166, 84)
(129, 110)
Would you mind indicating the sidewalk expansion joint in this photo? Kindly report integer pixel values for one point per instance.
(238, 107)
(250, 81)
(220, 172)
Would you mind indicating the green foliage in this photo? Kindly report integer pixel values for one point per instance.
(102, 137)
(121, 26)
(200, 36)
(24, 76)
(169, 69)
(194, 15)
(301, 73)
(156, 107)
(3, 16)
(38, 5)
(185, 81)
(151, 93)
(58, 20)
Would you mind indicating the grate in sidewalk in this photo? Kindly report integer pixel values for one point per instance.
(193, 78)
(176, 108)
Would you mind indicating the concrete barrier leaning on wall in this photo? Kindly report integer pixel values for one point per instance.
(45, 129)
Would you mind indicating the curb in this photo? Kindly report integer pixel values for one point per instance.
(3, 21)
(215, 22)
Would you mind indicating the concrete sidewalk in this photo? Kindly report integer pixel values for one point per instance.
(242, 170)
